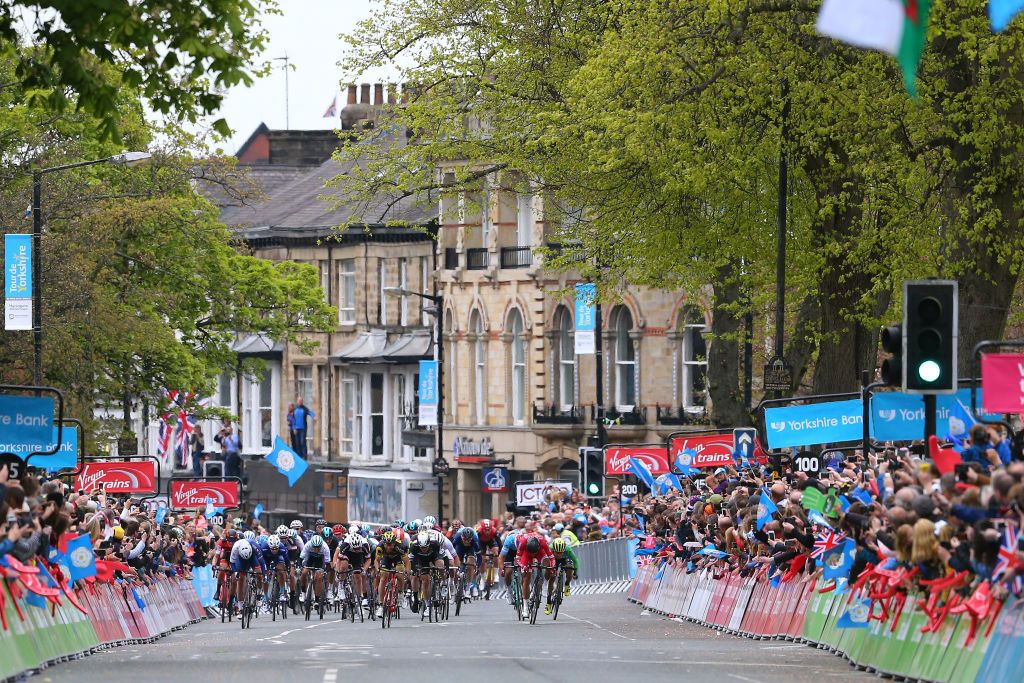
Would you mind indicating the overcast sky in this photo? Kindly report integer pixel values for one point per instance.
(307, 31)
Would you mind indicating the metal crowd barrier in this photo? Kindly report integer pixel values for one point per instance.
(604, 561)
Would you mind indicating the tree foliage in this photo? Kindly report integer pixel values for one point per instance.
(658, 125)
(177, 54)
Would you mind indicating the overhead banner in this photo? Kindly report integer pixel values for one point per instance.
(531, 494)
(616, 459)
(186, 493)
(65, 458)
(26, 423)
(586, 319)
(712, 450)
(1002, 381)
(117, 477)
(17, 282)
(896, 416)
(428, 393)
(814, 423)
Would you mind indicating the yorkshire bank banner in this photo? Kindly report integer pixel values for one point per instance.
(815, 423)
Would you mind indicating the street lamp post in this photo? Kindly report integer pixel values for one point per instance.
(122, 159)
(437, 334)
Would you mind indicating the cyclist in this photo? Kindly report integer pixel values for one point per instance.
(429, 522)
(426, 551)
(506, 557)
(331, 544)
(296, 524)
(275, 557)
(293, 546)
(488, 537)
(562, 556)
(567, 534)
(245, 557)
(223, 553)
(530, 546)
(314, 557)
(467, 549)
(453, 530)
(386, 558)
(353, 553)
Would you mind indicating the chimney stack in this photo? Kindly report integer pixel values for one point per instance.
(378, 94)
(391, 94)
(364, 95)
(352, 94)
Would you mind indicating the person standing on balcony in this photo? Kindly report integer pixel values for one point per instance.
(300, 423)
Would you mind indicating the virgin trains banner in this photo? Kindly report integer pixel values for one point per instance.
(187, 493)
(616, 459)
(118, 477)
(710, 450)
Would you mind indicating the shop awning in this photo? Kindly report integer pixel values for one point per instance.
(257, 345)
(408, 348)
(374, 347)
(366, 348)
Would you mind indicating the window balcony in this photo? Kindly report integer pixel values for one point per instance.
(477, 259)
(637, 417)
(555, 415)
(516, 257)
(451, 258)
(677, 417)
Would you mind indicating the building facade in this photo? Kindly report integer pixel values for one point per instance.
(516, 394)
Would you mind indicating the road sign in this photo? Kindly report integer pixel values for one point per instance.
(629, 489)
(439, 467)
(743, 441)
(15, 465)
(778, 375)
(495, 479)
(127, 445)
(808, 463)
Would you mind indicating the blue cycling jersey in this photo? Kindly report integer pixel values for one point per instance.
(509, 545)
(462, 549)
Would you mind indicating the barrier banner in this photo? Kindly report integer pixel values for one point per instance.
(1003, 661)
(205, 585)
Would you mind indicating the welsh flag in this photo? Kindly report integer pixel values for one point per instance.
(899, 27)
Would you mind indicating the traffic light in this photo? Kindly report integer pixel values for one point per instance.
(930, 327)
(892, 367)
(592, 472)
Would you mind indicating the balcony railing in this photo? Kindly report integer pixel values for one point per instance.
(681, 416)
(558, 250)
(554, 415)
(451, 258)
(612, 416)
(516, 257)
(476, 259)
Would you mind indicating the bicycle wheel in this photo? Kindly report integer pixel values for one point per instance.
(352, 604)
(460, 588)
(516, 587)
(307, 606)
(273, 596)
(557, 597)
(536, 591)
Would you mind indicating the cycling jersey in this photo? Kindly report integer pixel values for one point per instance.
(356, 557)
(273, 558)
(464, 550)
(311, 558)
(238, 564)
(293, 546)
(488, 537)
(523, 556)
(509, 546)
(568, 557)
(389, 559)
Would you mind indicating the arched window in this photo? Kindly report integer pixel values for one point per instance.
(565, 361)
(694, 359)
(625, 361)
(517, 365)
(476, 327)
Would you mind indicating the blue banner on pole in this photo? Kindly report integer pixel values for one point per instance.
(428, 393)
(896, 416)
(17, 282)
(586, 319)
(65, 458)
(26, 423)
(815, 423)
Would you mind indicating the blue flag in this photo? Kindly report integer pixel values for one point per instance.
(161, 513)
(642, 472)
(712, 551)
(210, 510)
(661, 570)
(765, 509)
(258, 510)
(863, 495)
(856, 614)
(960, 422)
(287, 461)
(1002, 12)
(817, 518)
(839, 561)
(684, 462)
(138, 600)
(47, 582)
(80, 559)
(669, 481)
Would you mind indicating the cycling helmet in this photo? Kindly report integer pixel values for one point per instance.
(365, 530)
(398, 523)
(485, 524)
(422, 538)
(327, 533)
(388, 537)
(356, 542)
(466, 533)
(559, 527)
(533, 545)
(231, 535)
(430, 521)
(295, 524)
(321, 522)
(274, 542)
(292, 533)
(282, 530)
(413, 526)
(353, 529)
(245, 551)
(249, 535)
(558, 545)
(316, 542)
(339, 530)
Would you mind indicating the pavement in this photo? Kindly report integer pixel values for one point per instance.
(596, 638)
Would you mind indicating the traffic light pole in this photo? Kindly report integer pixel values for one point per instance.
(929, 416)
(602, 433)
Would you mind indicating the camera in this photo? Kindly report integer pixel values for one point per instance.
(961, 470)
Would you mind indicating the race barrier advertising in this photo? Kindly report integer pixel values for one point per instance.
(32, 637)
(801, 611)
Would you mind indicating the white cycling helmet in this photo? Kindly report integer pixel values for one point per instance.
(356, 541)
(296, 524)
(244, 551)
(422, 538)
(292, 533)
(282, 530)
(249, 535)
(430, 521)
(274, 542)
(316, 542)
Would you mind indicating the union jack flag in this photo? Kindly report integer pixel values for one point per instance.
(1007, 559)
(164, 441)
(829, 540)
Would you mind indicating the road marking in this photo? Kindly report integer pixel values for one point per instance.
(330, 675)
(602, 628)
(744, 678)
(282, 634)
(783, 647)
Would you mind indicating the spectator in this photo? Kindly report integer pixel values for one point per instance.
(230, 448)
(290, 419)
(300, 423)
(198, 445)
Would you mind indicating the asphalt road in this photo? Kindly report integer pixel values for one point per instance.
(596, 638)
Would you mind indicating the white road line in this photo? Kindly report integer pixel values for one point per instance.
(597, 626)
(282, 634)
(744, 678)
(330, 675)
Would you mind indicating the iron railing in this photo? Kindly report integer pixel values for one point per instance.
(555, 415)
(516, 257)
(477, 259)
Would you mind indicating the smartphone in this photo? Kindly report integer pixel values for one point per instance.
(771, 537)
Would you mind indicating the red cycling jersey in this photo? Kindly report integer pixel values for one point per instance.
(523, 556)
(485, 534)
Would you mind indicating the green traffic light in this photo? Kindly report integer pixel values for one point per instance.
(929, 371)
(593, 489)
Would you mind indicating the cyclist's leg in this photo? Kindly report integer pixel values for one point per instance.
(470, 568)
